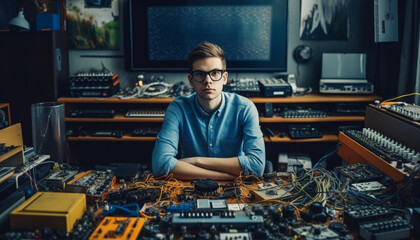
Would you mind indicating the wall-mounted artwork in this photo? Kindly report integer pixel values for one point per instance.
(93, 24)
(324, 20)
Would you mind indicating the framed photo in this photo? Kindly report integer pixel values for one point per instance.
(324, 20)
(93, 24)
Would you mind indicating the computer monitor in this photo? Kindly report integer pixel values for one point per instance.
(344, 66)
(159, 34)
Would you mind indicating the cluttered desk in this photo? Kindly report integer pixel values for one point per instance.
(346, 203)
(371, 195)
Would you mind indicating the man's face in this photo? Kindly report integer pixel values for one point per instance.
(208, 89)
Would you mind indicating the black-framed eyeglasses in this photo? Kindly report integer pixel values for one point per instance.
(200, 76)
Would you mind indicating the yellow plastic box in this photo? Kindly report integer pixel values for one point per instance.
(55, 210)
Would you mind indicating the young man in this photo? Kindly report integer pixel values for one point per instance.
(217, 133)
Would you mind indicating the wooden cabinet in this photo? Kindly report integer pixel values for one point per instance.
(114, 131)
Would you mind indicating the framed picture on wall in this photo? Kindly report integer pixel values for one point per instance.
(93, 24)
(324, 20)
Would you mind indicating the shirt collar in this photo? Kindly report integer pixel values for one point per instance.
(203, 113)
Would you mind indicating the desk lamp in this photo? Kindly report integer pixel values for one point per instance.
(19, 22)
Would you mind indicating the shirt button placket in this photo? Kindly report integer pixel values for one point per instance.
(211, 137)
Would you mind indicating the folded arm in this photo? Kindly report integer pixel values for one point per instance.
(187, 171)
(228, 165)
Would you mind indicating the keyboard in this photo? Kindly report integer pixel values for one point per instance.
(147, 112)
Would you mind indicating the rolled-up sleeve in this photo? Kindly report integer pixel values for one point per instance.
(166, 146)
(253, 162)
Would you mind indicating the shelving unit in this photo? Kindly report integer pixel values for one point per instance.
(279, 124)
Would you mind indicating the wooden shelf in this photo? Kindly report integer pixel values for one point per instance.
(307, 120)
(327, 137)
(115, 100)
(84, 146)
(125, 138)
(117, 118)
(309, 98)
(316, 98)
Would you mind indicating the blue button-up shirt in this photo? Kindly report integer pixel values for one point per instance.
(231, 131)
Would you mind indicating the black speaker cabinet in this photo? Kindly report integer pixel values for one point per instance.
(33, 68)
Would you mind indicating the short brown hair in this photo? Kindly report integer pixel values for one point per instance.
(205, 50)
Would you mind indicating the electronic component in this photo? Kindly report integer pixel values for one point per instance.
(293, 162)
(359, 172)
(182, 207)
(84, 226)
(214, 204)
(93, 113)
(204, 219)
(355, 87)
(127, 228)
(270, 193)
(136, 196)
(108, 133)
(354, 214)
(274, 87)
(410, 111)
(383, 146)
(395, 227)
(145, 132)
(205, 186)
(146, 112)
(55, 210)
(271, 87)
(94, 84)
(303, 113)
(368, 187)
(245, 86)
(347, 109)
(34, 166)
(316, 232)
(58, 180)
(95, 184)
(236, 236)
(302, 131)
